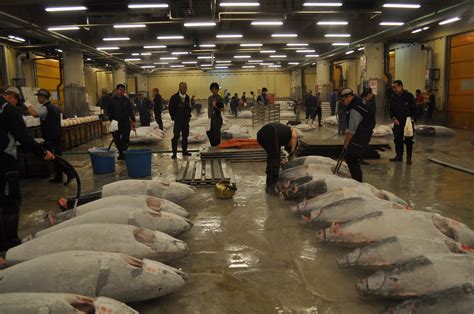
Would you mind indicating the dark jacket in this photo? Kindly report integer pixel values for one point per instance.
(178, 109)
(144, 106)
(158, 103)
(51, 126)
(402, 106)
(365, 129)
(121, 109)
(213, 111)
(310, 101)
(262, 99)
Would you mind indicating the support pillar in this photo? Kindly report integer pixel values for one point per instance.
(119, 75)
(374, 53)
(323, 84)
(142, 84)
(74, 84)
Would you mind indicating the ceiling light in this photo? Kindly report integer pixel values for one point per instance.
(305, 51)
(189, 62)
(224, 64)
(293, 63)
(229, 36)
(250, 45)
(135, 54)
(16, 38)
(277, 56)
(361, 48)
(416, 30)
(63, 28)
(254, 61)
(133, 59)
(391, 23)
(223, 61)
(426, 28)
(116, 38)
(169, 58)
(206, 65)
(274, 66)
(337, 35)
(340, 44)
(242, 57)
(266, 63)
(222, 67)
(401, 6)
(148, 6)
(239, 4)
(108, 48)
(177, 66)
(266, 23)
(311, 56)
(145, 54)
(179, 53)
(322, 4)
(63, 9)
(170, 37)
(333, 23)
(199, 24)
(349, 52)
(248, 67)
(88, 59)
(454, 19)
(58, 50)
(296, 45)
(129, 25)
(162, 63)
(207, 46)
(284, 35)
(154, 47)
(205, 57)
(148, 67)
(267, 51)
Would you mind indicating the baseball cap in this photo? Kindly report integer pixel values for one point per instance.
(43, 92)
(12, 90)
(346, 91)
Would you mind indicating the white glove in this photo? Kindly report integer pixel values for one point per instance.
(113, 126)
(208, 126)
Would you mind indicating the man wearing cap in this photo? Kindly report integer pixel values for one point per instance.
(157, 107)
(360, 125)
(144, 107)
(12, 129)
(180, 112)
(50, 116)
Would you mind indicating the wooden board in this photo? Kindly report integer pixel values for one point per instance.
(204, 173)
(457, 162)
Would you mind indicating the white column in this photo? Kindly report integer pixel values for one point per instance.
(73, 68)
(75, 102)
(374, 53)
(323, 85)
(142, 83)
(119, 75)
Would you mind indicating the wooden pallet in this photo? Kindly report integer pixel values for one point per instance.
(205, 173)
(235, 155)
(457, 162)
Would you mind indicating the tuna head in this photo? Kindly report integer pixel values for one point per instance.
(454, 229)
(166, 222)
(164, 246)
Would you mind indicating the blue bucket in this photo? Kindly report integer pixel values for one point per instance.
(138, 162)
(103, 160)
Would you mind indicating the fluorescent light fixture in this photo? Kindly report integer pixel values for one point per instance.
(349, 52)
(454, 19)
(170, 37)
(254, 61)
(274, 66)
(337, 35)
(148, 6)
(401, 6)
(199, 24)
(169, 58)
(266, 63)
(296, 45)
(133, 59)
(223, 61)
(177, 66)
(16, 38)
(340, 44)
(116, 38)
(332, 23)
(135, 54)
(311, 56)
(267, 51)
(207, 46)
(266, 23)
(242, 57)
(248, 67)
(285, 35)
(239, 4)
(205, 57)
(189, 62)
(206, 65)
(222, 67)
(229, 36)
(58, 50)
(108, 48)
(426, 28)
(251, 45)
(129, 25)
(148, 67)
(293, 63)
(63, 28)
(64, 9)
(392, 23)
(88, 59)
(180, 53)
(322, 4)
(145, 54)
(154, 47)
(360, 49)
(162, 63)
(305, 51)
(416, 30)
(277, 56)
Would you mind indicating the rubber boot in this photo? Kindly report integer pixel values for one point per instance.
(399, 152)
(174, 147)
(409, 152)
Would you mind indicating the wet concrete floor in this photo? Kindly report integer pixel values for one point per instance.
(250, 254)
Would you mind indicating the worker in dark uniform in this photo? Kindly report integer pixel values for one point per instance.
(180, 112)
(272, 137)
(121, 111)
(402, 106)
(310, 104)
(319, 109)
(215, 105)
(12, 129)
(360, 125)
(262, 98)
(50, 116)
(144, 107)
(157, 107)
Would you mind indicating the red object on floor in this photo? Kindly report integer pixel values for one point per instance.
(247, 143)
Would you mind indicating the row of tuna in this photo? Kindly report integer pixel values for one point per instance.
(416, 254)
(92, 258)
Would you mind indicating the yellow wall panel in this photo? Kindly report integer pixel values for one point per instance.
(463, 120)
(461, 69)
(131, 85)
(456, 87)
(462, 53)
(464, 103)
(462, 39)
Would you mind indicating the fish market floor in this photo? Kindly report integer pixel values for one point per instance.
(250, 254)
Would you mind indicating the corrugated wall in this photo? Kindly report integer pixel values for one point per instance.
(48, 77)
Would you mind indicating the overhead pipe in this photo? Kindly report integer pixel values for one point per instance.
(20, 74)
(331, 74)
(61, 81)
(386, 64)
(429, 66)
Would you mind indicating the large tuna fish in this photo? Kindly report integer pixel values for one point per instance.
(320, 160)
(164, 222)
(171, 191)
(399, 249)
(380, 225)
(311, 170)
(420, 276)
(93, 274)
(434, 130)
(59, 303)
(134, 241)
(456, 300)
(364, 191)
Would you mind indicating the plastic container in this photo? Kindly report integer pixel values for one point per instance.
(103, 160)
(138, 162)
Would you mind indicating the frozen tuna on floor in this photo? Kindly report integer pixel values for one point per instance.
(59, 303)
(93, 274)
(131, 240)
(165, 222)
(399, 249)
(311, 170)
(434, 130)
(420, 276)
(456, 300)
(306, 160)
(380, 225)
(172, 191)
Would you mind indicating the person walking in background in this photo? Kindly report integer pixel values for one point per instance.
(244, 100)
(234, 104)
(262, 98)
(430, 107)
(252, 98)
(215, 105)
(310, 105)
(420, 105)
(341, 118)
(144, 107)
(157, 107)
(333, 101)
(319, 109)
(180, 112)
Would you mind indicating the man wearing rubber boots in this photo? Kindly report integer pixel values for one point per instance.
(402, 106)
(360, 125)
(272, 137)
(12, 129)
(180, 112)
